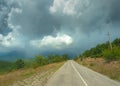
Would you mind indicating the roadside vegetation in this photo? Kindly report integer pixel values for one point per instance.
(39, 60)
(102, 59)
(13, 71)
(29, 76)
(110, 69)
(104, 51)
(5, 66)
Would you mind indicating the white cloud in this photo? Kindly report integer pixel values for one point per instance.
(7, 40)
(57, 5)
(69, 7)
(11, 40)
(58, 42)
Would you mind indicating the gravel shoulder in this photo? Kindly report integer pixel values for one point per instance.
(30, 77)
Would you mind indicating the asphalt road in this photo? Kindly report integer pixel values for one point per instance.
(73, 74)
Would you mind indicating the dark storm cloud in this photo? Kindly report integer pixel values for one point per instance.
(4, 10)
(35, 18)
(115, 11)
(81, 23)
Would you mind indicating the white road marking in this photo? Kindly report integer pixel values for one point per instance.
(79, 74)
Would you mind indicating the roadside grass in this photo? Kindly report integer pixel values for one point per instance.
(9, 78)
(5, 67)
(110, 69)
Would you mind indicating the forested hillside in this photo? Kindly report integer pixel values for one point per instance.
(104, 50)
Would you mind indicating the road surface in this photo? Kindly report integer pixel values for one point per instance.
(73, 74)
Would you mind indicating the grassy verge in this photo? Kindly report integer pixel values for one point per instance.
(110, 69)
(5, 67)
(19, 75)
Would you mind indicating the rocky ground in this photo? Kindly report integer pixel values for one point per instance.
(38, 79)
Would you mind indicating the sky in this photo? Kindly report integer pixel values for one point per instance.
(56, 26)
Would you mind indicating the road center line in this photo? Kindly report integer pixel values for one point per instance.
(79, 74)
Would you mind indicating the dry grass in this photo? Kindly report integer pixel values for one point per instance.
(18, 75)
(111, 69)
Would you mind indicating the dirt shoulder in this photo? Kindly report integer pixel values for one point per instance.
(110, 69)
(30, 77)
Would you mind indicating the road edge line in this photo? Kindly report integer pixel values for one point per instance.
(79, 74)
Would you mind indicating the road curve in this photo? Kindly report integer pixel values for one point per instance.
(73, 74)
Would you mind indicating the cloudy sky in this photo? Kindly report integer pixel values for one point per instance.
(57, 26)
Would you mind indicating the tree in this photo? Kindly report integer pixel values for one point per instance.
(96, 51)
(116, 42)
(39, 61)
(54, 58)
(19, 64)
(65, 57)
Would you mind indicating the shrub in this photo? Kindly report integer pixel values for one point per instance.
(39, 61)
(112, 54)
(19, 64)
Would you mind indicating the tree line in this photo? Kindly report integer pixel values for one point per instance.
(103, 50)
(37, 61)
(41, 60)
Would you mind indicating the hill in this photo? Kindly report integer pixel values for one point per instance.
(104, 50)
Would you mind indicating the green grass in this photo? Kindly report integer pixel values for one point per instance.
(112, 55)
(5, 67)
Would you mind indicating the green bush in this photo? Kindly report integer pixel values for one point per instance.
(19, 64)
(112, 54)
(57, 58)
(39, 61)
